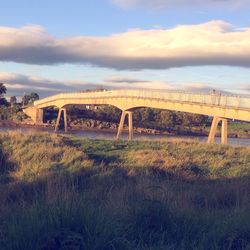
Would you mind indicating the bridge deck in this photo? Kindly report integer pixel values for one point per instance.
(230, 101)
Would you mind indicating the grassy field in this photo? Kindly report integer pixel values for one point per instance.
(63, 192)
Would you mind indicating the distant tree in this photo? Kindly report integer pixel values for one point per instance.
(3, 101)
(198, 120)
(29, 99)
(137, 117)
(2, 89)
(13, 100)
(147, 114)
(34, 97)
(25, 100)
(166, 119)
(190, 120)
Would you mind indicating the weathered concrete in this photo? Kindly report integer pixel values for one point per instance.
(213, 130)
(36, 114)
(130, 124)
(64, 110)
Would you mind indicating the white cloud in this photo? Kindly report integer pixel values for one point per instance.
(18, 85)
(130, 82)
(198, 87)
(246, 88)
(179, 3)
(212, 43)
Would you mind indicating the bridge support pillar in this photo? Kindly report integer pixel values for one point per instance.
(130, 124)
(224, 131)
(64, 118)
(213, 129)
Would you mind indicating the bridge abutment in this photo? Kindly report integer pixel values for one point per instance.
(60, 111)
(130, 124)
(36, 114)
(213, 129)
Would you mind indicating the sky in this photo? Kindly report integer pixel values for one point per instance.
(58, 46)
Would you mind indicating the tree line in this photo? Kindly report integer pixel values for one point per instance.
(142, 117)
(27, 99)
(12, 108)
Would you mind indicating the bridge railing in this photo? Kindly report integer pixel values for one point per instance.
(178, 96)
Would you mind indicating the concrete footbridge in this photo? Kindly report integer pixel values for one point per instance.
(217, 105)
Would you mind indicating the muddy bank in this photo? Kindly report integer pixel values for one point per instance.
(7, 123)
(95, 125)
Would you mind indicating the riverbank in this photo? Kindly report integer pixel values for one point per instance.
(235, 130)
(59, 190)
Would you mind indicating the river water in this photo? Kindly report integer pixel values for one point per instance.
(109, 135)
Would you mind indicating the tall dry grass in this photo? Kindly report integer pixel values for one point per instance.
(61, 192)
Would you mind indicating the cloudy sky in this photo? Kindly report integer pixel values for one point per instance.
(60, 46)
